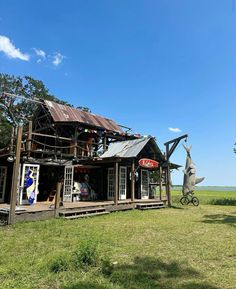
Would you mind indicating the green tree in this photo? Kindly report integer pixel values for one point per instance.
(17, 110)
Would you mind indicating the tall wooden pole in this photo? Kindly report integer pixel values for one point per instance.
(133, 181)
(160, 181)
(15, 177)
(116, 183)
(29, 138)
(168, 177)
(76, 142)
(169, 151)
(104, 143)
(57, 199)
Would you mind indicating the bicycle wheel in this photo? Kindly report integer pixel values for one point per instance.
(184, 200)
(195, 201)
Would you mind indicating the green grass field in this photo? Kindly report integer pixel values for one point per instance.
(183, 247)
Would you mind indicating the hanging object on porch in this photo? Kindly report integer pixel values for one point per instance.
(30, 187)
(148, 163)
(190, 179)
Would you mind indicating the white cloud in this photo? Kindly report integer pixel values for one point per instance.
(7, 47)
(174, 129)
(57, 58)
(40, 53)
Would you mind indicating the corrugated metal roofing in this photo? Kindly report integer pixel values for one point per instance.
(64, 113)
(126, 149)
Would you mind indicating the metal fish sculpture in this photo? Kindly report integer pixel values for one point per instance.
(190, 179)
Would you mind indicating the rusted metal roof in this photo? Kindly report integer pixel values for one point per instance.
(132, 148)
(125, 149)
(64, 113)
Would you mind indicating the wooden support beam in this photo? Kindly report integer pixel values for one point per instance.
(160, 182)
(168, 178)
(12, 139)
(52, 136)
(29, 137)
(104, 143)
(15, 178)
(169, 152)
(116, 195)
(76, 142)
(57, 199)
(133, 181)
(176, 139)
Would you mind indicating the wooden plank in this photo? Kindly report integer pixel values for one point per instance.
(15, 177)
(133, 181)
(85, 215)
(78, 211)
(52, 136)
(116, 183)
(57, 199)
(29, 138)
(160, 182)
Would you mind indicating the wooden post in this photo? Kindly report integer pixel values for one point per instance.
(57, 199)
(12, 139)
(116, 183)
(76, 142)
(16, 167)
(168, 177)
(169, 152)
(133, 181)
(160, 182)
(29, 138)
(104, 143)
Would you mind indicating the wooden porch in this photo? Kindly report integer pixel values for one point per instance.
(74, 210)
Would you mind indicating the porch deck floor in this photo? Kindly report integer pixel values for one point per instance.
(49, 206)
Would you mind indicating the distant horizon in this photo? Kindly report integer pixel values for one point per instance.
(207, 186)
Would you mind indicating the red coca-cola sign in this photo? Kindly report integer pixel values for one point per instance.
(148, 163)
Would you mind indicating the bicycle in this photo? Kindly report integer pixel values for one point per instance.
(189, 198)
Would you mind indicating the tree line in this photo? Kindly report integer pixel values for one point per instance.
(14, 111)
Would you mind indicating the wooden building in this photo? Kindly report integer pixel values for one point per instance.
(94, 158)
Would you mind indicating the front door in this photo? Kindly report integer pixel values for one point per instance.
(3, 178)
(29, 184)
(123, 183)
(68, 183)
(144, 184)
(110, 184)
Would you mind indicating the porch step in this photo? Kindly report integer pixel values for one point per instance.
(148, 206)
(85, 215)
(85, 212)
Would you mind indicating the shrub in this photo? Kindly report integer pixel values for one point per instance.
(59, 264)
(223, 202)
(86, 255)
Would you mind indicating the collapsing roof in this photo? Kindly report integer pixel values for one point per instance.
(143, 147)
(132, 148)
(64, 113)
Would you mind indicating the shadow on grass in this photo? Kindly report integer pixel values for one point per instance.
(86, 285)
(150, 273)
(223, 202)
(177, 207)
(220, 219)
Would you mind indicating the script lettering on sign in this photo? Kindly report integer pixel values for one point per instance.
(148, 163)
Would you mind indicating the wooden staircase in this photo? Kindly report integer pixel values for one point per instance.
(81, 213)
(148, 206)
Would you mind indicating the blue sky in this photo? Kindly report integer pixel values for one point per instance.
(150, 65)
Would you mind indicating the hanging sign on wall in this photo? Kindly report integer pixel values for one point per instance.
(148, 163)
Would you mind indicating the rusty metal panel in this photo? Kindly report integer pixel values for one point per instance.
(126, 149)
(63, 113)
